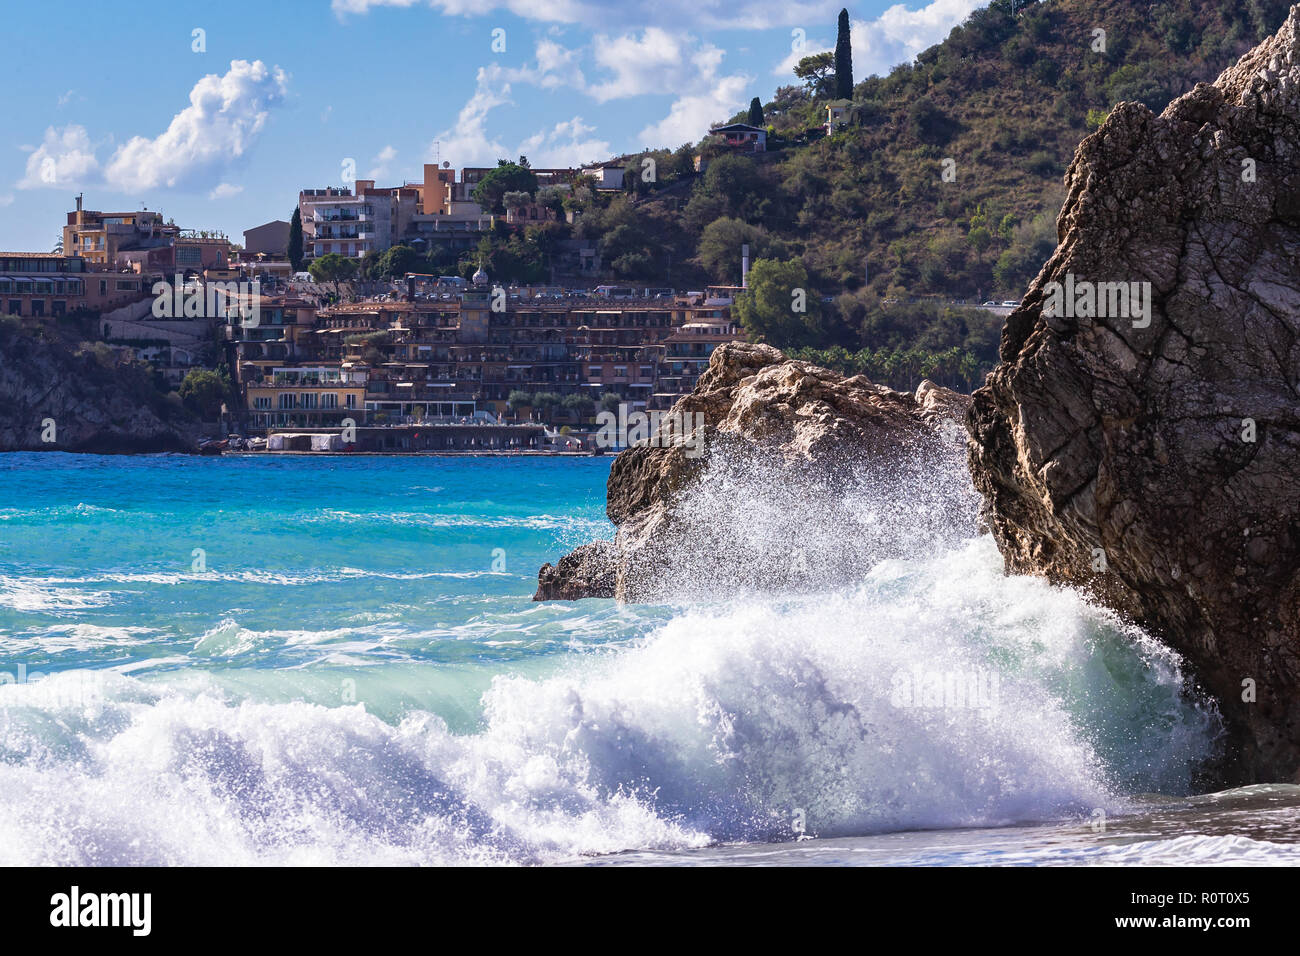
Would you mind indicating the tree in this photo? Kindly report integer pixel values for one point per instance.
(516, 199)
(333, 267)
(203, 391)
(518, 399)
(547, 403)
(778, 307)
(721, 245)
(582, 406)
(552, 197)
(756, 112)
(1032, 244)
(815, 71)
(507, 177)
(295, 241)
(397, 261)
(844, 60)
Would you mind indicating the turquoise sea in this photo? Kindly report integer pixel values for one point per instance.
(283, 659)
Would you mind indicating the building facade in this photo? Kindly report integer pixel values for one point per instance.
(459, 359)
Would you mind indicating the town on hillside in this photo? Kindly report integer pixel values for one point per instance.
(507, 308)
(279, 344)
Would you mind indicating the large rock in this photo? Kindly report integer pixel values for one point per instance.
(93, 407)
(1158, 464)
(791, 454)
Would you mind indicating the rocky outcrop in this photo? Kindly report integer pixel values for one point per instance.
(48, 390)
(1152, 454)
(789, 450)
(587, 572)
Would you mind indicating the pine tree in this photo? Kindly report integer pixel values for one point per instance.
(295, 241)
(756, 112)
(844, 60)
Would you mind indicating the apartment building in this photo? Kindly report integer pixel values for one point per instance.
(687, 351)
(435, 212)
(345, 224)
(456, 359)
(49, 284)
(306, 396)
(98, 237)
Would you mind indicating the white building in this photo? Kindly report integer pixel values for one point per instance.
(607, 175)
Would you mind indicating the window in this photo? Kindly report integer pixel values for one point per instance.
(58, 307)
(310, 400)
(15, 306)
(350, 400)
(286, 400)
(38, 306)
(262, 401)
(329, 400)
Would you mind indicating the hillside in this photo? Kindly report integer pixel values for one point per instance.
(59, 394)
(1007, 98)
(864, 219)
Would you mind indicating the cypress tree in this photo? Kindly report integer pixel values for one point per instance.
(756, 112)
(295, 241)
(843, 60)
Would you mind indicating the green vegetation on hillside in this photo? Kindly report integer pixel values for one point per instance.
(943, 184)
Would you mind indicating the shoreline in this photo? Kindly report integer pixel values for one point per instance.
(453, 453)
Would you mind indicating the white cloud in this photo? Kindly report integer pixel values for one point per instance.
(225, 115)
(7, 199)
(675, 64)
(655, 62)
(467, 143)
(65, 158)
(895, 37)
(66, 98)
(380, 168)
(557, 66)
(225, 191)
(899, 34)
(570, 143)
(696, 14)
(690, 116)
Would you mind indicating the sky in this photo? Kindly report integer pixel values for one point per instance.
(217, 114)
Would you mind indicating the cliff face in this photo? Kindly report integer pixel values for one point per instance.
(787, 448)
(93, 408)
(1151, 454)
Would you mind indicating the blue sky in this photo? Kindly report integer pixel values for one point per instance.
(113, 99)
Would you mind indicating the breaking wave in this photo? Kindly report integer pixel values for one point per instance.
(905, 683)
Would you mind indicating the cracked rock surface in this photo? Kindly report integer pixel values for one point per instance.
(1159, 465)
